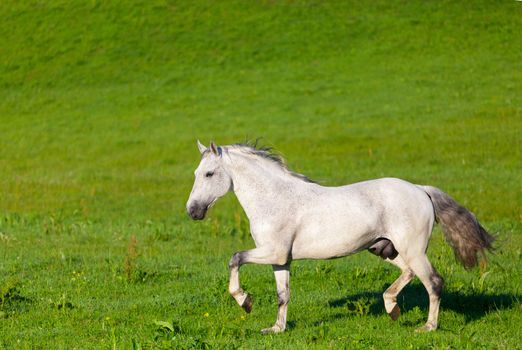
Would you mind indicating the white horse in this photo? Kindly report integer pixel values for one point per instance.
(292, 217)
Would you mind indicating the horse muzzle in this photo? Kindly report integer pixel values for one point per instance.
(197, 211)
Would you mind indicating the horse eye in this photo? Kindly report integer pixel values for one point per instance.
(209, 174)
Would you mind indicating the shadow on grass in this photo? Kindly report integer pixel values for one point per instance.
(472, 307)
(11, 300)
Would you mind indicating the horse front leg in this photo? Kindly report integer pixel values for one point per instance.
(234, 288)
(282, 277)
(261, 255)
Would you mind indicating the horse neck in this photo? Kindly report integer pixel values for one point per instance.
(260, 186)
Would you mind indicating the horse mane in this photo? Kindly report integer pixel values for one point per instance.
(252, 147)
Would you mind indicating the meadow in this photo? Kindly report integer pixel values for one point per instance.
(101, 104)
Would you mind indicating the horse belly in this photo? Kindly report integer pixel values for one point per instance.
(336, 238)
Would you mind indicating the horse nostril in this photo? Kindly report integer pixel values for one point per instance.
(191, 211)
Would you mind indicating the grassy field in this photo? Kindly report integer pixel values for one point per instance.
(101, 104)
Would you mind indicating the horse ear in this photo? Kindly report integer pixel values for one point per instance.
(201, 148)
(215, 149)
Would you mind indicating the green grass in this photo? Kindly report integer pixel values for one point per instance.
(101, 105)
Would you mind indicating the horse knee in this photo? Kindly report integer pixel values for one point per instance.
(235, 261)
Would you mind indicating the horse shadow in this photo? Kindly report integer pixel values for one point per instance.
(472, 307)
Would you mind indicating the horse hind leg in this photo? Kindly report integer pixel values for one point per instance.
(433, 283)
(390, 295)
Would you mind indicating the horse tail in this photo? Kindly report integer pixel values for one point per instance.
(461, 228)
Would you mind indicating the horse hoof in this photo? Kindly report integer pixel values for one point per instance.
(395, 313)
(247, 304)
(428, 327)
(274, 329)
